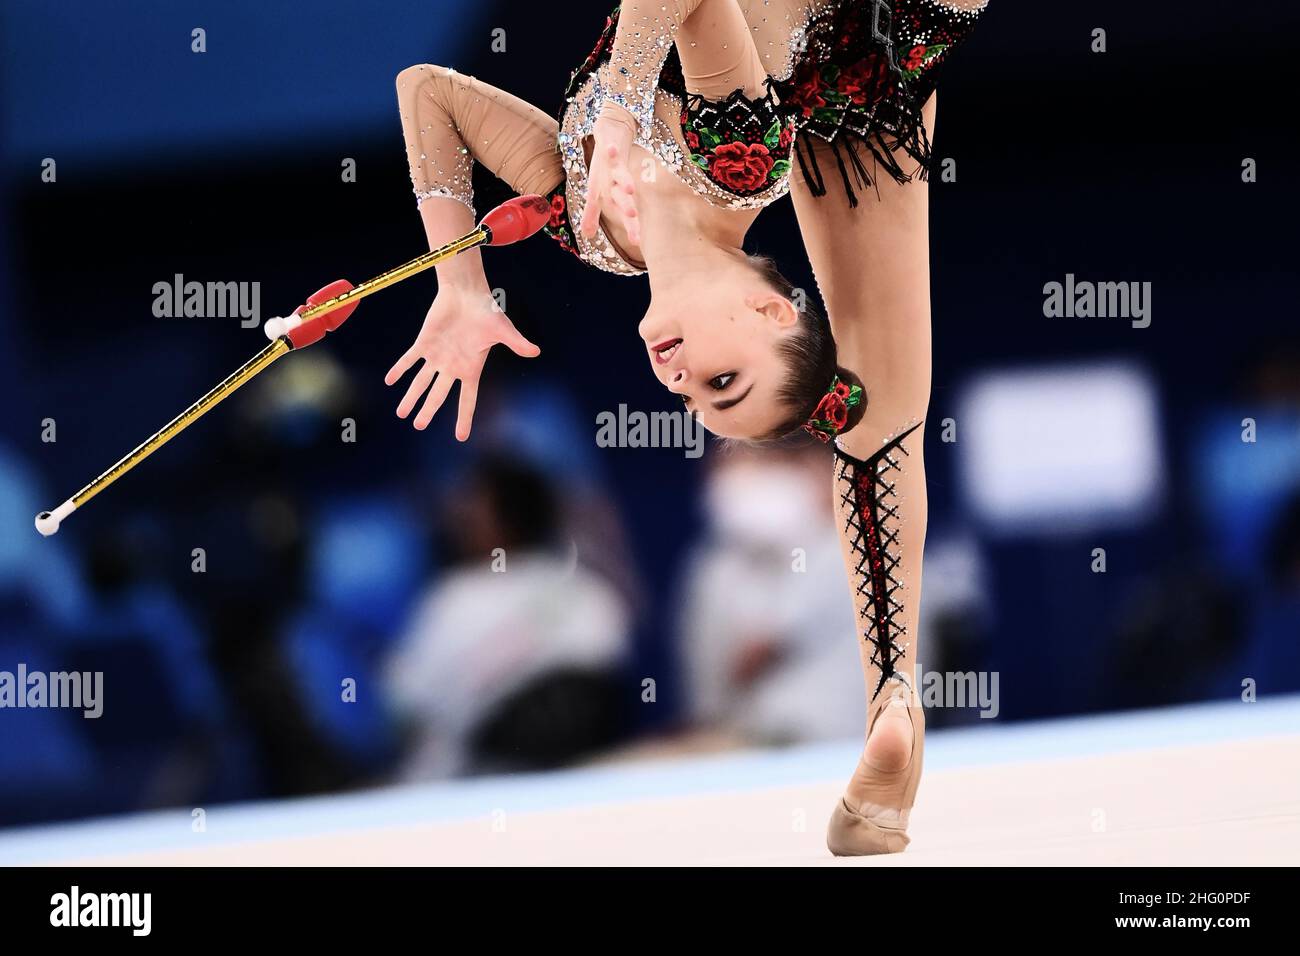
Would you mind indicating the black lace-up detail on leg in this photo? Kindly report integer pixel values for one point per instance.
(868, 491)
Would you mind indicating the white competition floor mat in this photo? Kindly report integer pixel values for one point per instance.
(1210, 784)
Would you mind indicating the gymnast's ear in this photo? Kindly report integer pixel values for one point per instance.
(774, 307)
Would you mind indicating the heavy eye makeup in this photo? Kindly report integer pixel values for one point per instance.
(719, 383)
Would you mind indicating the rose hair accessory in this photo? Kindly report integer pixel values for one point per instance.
(832, 412)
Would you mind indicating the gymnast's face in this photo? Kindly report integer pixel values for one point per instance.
(716, 345)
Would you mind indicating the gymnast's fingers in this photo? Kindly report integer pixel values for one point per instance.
(591, 213)
(515, 341)
(437, 395)
(627, 210)
(465, 413)
(627, 206)
(401, 366)
(622, 188)
(418, 386)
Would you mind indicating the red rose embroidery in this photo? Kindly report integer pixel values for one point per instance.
(557, 211)
(863, 79)
(808, 86)
(915, 57)
(741, 167)
(693, 141)
(787, 134)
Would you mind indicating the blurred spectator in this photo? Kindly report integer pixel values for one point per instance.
(162, 740)
(766, 628)
(252, 520)
(1230, 611)
(768, 633)
(513, 660)
(541, 422)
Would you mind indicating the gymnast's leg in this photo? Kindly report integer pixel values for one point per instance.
(872, 266)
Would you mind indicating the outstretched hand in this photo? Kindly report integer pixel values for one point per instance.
(458, 332)
(610, 188)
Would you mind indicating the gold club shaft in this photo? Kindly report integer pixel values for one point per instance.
(268, 355)
(397, 274)
(182, 421)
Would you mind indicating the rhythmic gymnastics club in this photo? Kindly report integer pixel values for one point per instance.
(323, 312)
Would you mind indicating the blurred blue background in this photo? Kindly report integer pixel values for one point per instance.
(370, 561)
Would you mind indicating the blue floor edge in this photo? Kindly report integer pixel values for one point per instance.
(738, 771)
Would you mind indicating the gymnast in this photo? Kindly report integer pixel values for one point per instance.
(686, 120)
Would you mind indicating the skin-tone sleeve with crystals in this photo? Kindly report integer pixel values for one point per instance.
(450, 121)
(646, 32)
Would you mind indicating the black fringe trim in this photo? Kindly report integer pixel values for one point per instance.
(880, 128)
(848, 149)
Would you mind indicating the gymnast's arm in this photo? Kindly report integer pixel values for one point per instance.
(643, 38)
(451, 121)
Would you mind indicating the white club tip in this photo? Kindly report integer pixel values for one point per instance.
(278, 326)
(47, 522)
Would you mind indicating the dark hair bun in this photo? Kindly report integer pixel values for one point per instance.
(856, 412)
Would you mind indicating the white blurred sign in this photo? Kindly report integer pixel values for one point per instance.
(1063, 448)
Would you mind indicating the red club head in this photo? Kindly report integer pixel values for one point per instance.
(335, 317)
(315, 328)
(516, 219)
